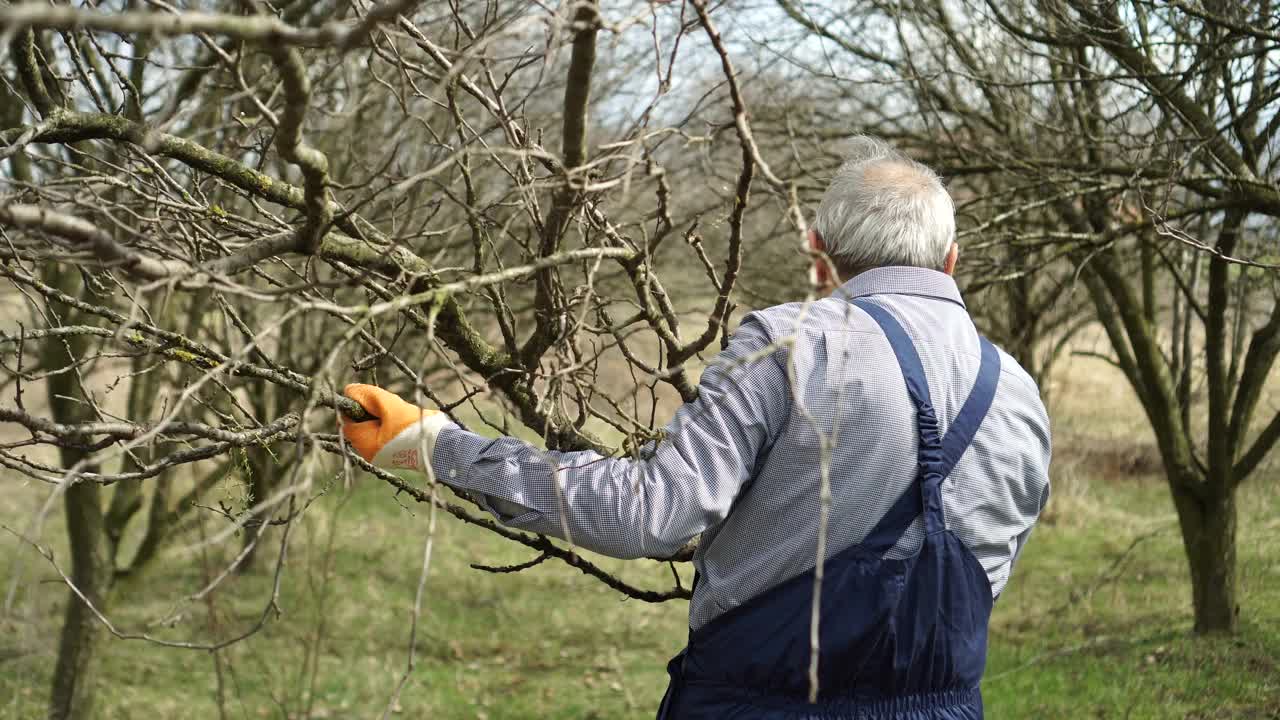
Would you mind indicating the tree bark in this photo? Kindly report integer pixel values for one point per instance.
(1209, 536)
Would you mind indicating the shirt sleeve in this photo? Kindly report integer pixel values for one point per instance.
(1036, 470)
(1020, 541)
(646, 506)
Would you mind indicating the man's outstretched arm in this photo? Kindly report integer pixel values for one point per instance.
(623, 507)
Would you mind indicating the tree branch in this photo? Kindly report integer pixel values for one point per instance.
(313, 164)
(264, 29)
(84, 233)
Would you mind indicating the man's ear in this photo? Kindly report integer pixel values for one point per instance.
(949, 266)
(821, 274)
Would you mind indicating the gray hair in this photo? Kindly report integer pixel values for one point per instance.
(883, 208)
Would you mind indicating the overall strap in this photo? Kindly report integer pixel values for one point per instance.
(929, 452)
(961, 431)
(936, 455)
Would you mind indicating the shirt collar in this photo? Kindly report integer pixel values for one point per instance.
(901, 280)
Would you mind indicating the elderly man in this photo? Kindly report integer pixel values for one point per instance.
(933, 443)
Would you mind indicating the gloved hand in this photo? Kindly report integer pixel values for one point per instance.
(398, 434)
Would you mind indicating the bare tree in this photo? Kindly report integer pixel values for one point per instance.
(226, 214)
(1137, 141)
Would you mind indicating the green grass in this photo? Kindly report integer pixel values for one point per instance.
(1095, 624)
(1092, 626)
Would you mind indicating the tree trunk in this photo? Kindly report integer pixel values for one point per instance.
(264, 468)
(261, 466)
(1209, 536)
(92, 566)
(72, 693)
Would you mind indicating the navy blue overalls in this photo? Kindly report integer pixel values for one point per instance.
(899, 639)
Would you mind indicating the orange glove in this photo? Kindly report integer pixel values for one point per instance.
(400, 432)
